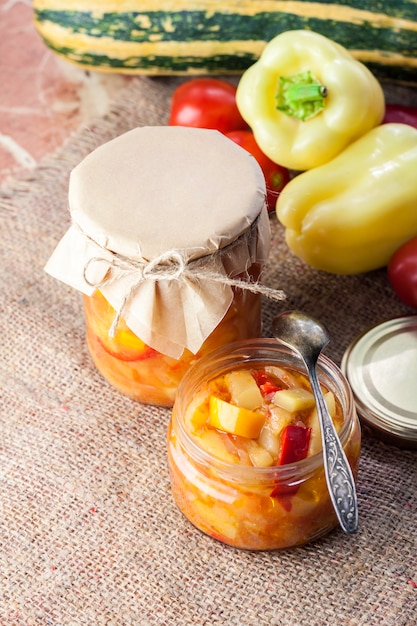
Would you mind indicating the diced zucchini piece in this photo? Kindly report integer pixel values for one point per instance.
(213, 442)
(243, 389)
(259, 456)
(234, 419)
(269, 440)
(294, 399)
(278, 418)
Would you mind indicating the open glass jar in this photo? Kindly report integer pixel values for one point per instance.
(169, 227)
(214, 481)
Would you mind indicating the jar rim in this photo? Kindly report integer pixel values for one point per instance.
(250, 352)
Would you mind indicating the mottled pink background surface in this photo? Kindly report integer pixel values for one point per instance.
(43, 99)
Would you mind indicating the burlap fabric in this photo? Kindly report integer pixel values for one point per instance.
(89, 533)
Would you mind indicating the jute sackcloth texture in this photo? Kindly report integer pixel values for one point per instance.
(89, 532)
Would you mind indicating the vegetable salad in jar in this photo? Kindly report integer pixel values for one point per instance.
(244, 446)
(146, 374)
(169, 235)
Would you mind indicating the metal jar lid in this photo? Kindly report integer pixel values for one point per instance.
(381, 367)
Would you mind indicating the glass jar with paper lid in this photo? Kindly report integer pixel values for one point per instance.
(169, 236)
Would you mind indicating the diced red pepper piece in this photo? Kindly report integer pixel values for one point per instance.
(260, 377)
(295, 440)
(268, 388)
(294, 444)
(265, 384)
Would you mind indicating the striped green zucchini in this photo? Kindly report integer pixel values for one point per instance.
(222, 36)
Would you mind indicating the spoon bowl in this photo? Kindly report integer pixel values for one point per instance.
(307, 337)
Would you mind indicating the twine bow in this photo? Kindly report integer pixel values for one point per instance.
(170, 265)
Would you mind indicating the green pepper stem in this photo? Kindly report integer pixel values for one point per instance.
(306, 93)
(300, 95)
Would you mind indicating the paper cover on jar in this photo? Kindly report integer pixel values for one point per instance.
(159, 216)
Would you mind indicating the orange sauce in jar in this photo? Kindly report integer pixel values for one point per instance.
(145, 374)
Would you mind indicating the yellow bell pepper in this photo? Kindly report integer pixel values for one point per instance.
(351, 214)
(307, 98)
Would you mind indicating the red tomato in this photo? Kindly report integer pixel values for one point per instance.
(402, 272)
(276, 176)
(400, 114)
(206, 103)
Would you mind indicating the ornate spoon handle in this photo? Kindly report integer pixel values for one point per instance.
(339, 475)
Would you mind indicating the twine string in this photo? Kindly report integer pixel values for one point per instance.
(170, 265)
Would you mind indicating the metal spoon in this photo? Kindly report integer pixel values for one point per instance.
(307, 337)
